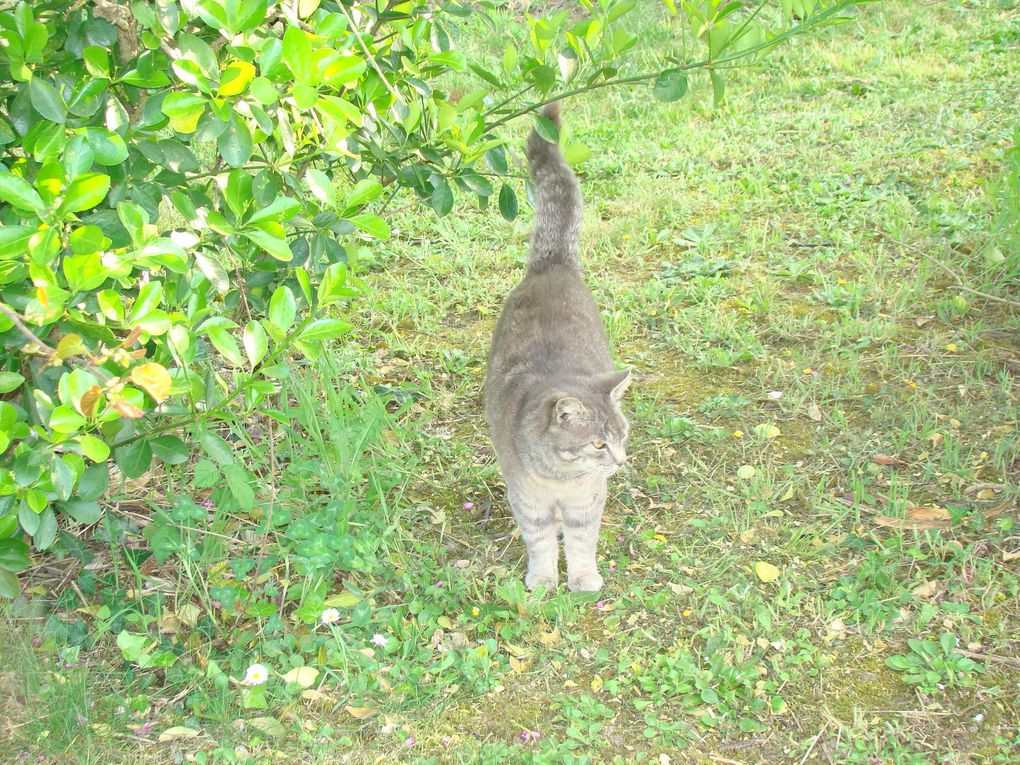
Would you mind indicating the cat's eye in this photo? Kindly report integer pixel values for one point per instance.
(598, 444)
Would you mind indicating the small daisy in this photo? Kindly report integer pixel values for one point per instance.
(475, 611)
(330, 616)
(379, 639)
(257, 674)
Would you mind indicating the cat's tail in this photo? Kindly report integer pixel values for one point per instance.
(557, 202)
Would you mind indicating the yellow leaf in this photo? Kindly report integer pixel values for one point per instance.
(176, 733)
(518, 666)
(444, 622)
(343, 600)
(360, 713)
(70, 345)
(766, 571)
(306, 8)
(154, 379)
(316, 696)
(303, 676)
(236, 77)
(596, 684)
(550, 639)
(767, 431)
(186, 124)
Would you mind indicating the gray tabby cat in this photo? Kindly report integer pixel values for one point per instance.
(552, 397)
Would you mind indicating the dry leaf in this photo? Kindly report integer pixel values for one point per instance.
(268, 725)
(928, 590)
(189, 614)
(176, 733)
(89, 400)
(1008, 557)
(814, 413)
(317, 697)
(303, 676)
(549, 639)
(766, 571)
(885, 459)
(596, 683)
(518, 666)
(918, 518)
(360, 713)
(126, 409)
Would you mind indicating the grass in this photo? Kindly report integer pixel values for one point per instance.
(801, 282)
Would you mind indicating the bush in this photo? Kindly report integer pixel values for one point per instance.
(187, 187)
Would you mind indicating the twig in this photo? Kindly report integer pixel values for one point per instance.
(814, 741)
(990, 657)
(957, 278)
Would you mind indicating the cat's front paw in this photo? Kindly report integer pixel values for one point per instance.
(586, 583)
(532, 581)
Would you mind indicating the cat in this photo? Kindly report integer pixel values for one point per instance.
(552, 394)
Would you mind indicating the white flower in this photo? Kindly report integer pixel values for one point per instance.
(330, 615)
(775, 394)
(979, 718)
(256, 675)
(379, 640)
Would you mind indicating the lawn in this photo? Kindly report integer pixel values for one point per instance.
(812, 556)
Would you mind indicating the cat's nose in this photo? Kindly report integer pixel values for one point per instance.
(619, 457)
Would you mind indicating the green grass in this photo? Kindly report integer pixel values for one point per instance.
(784, 275)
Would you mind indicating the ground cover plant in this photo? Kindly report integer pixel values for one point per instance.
(812, 270)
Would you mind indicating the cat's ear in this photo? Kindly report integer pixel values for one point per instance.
(567, 409)
(617, 384)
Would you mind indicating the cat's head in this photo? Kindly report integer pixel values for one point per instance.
(585, 430)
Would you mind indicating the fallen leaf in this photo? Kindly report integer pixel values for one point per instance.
(177, 733)
(518, 666)
(549, 639)
(360, 713)
(767, 431)
(596, 683)
(189, 614)
(766, 571)
(303, 676)
(928, 590)
(918, 518)
(986, 494)
(317, 697)
(885, 459)
(268, 725)
(745, 472)
(814, 413)
(1008, 557)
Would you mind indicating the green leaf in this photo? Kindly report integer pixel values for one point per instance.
(321, 186)
(282, 308)
(85, 192)
(279, 210)
(18, 191)
(507, 202)
(134, 459)
(576, 153)
(9, 381)
(65, 420)
(235, 143)
(94, 448)
(670, 85)
(547, 129)
(363, 192)
(297, 55)
(718, 88)
(83, 511)
(107, 147)
(442, 197)
(14, 555)
(47, 100)
(239, 483)
(9, 587)
(63, 478)
(331, 286)
(170, 449)
(264, 91)
(274, 245)
(217, 447)
(206, 474)
(97, 61)
(226, 345)
(94, 481)
(255, 341)
(149, 297)
(324, 329)
(371, 224)
(44, 536)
